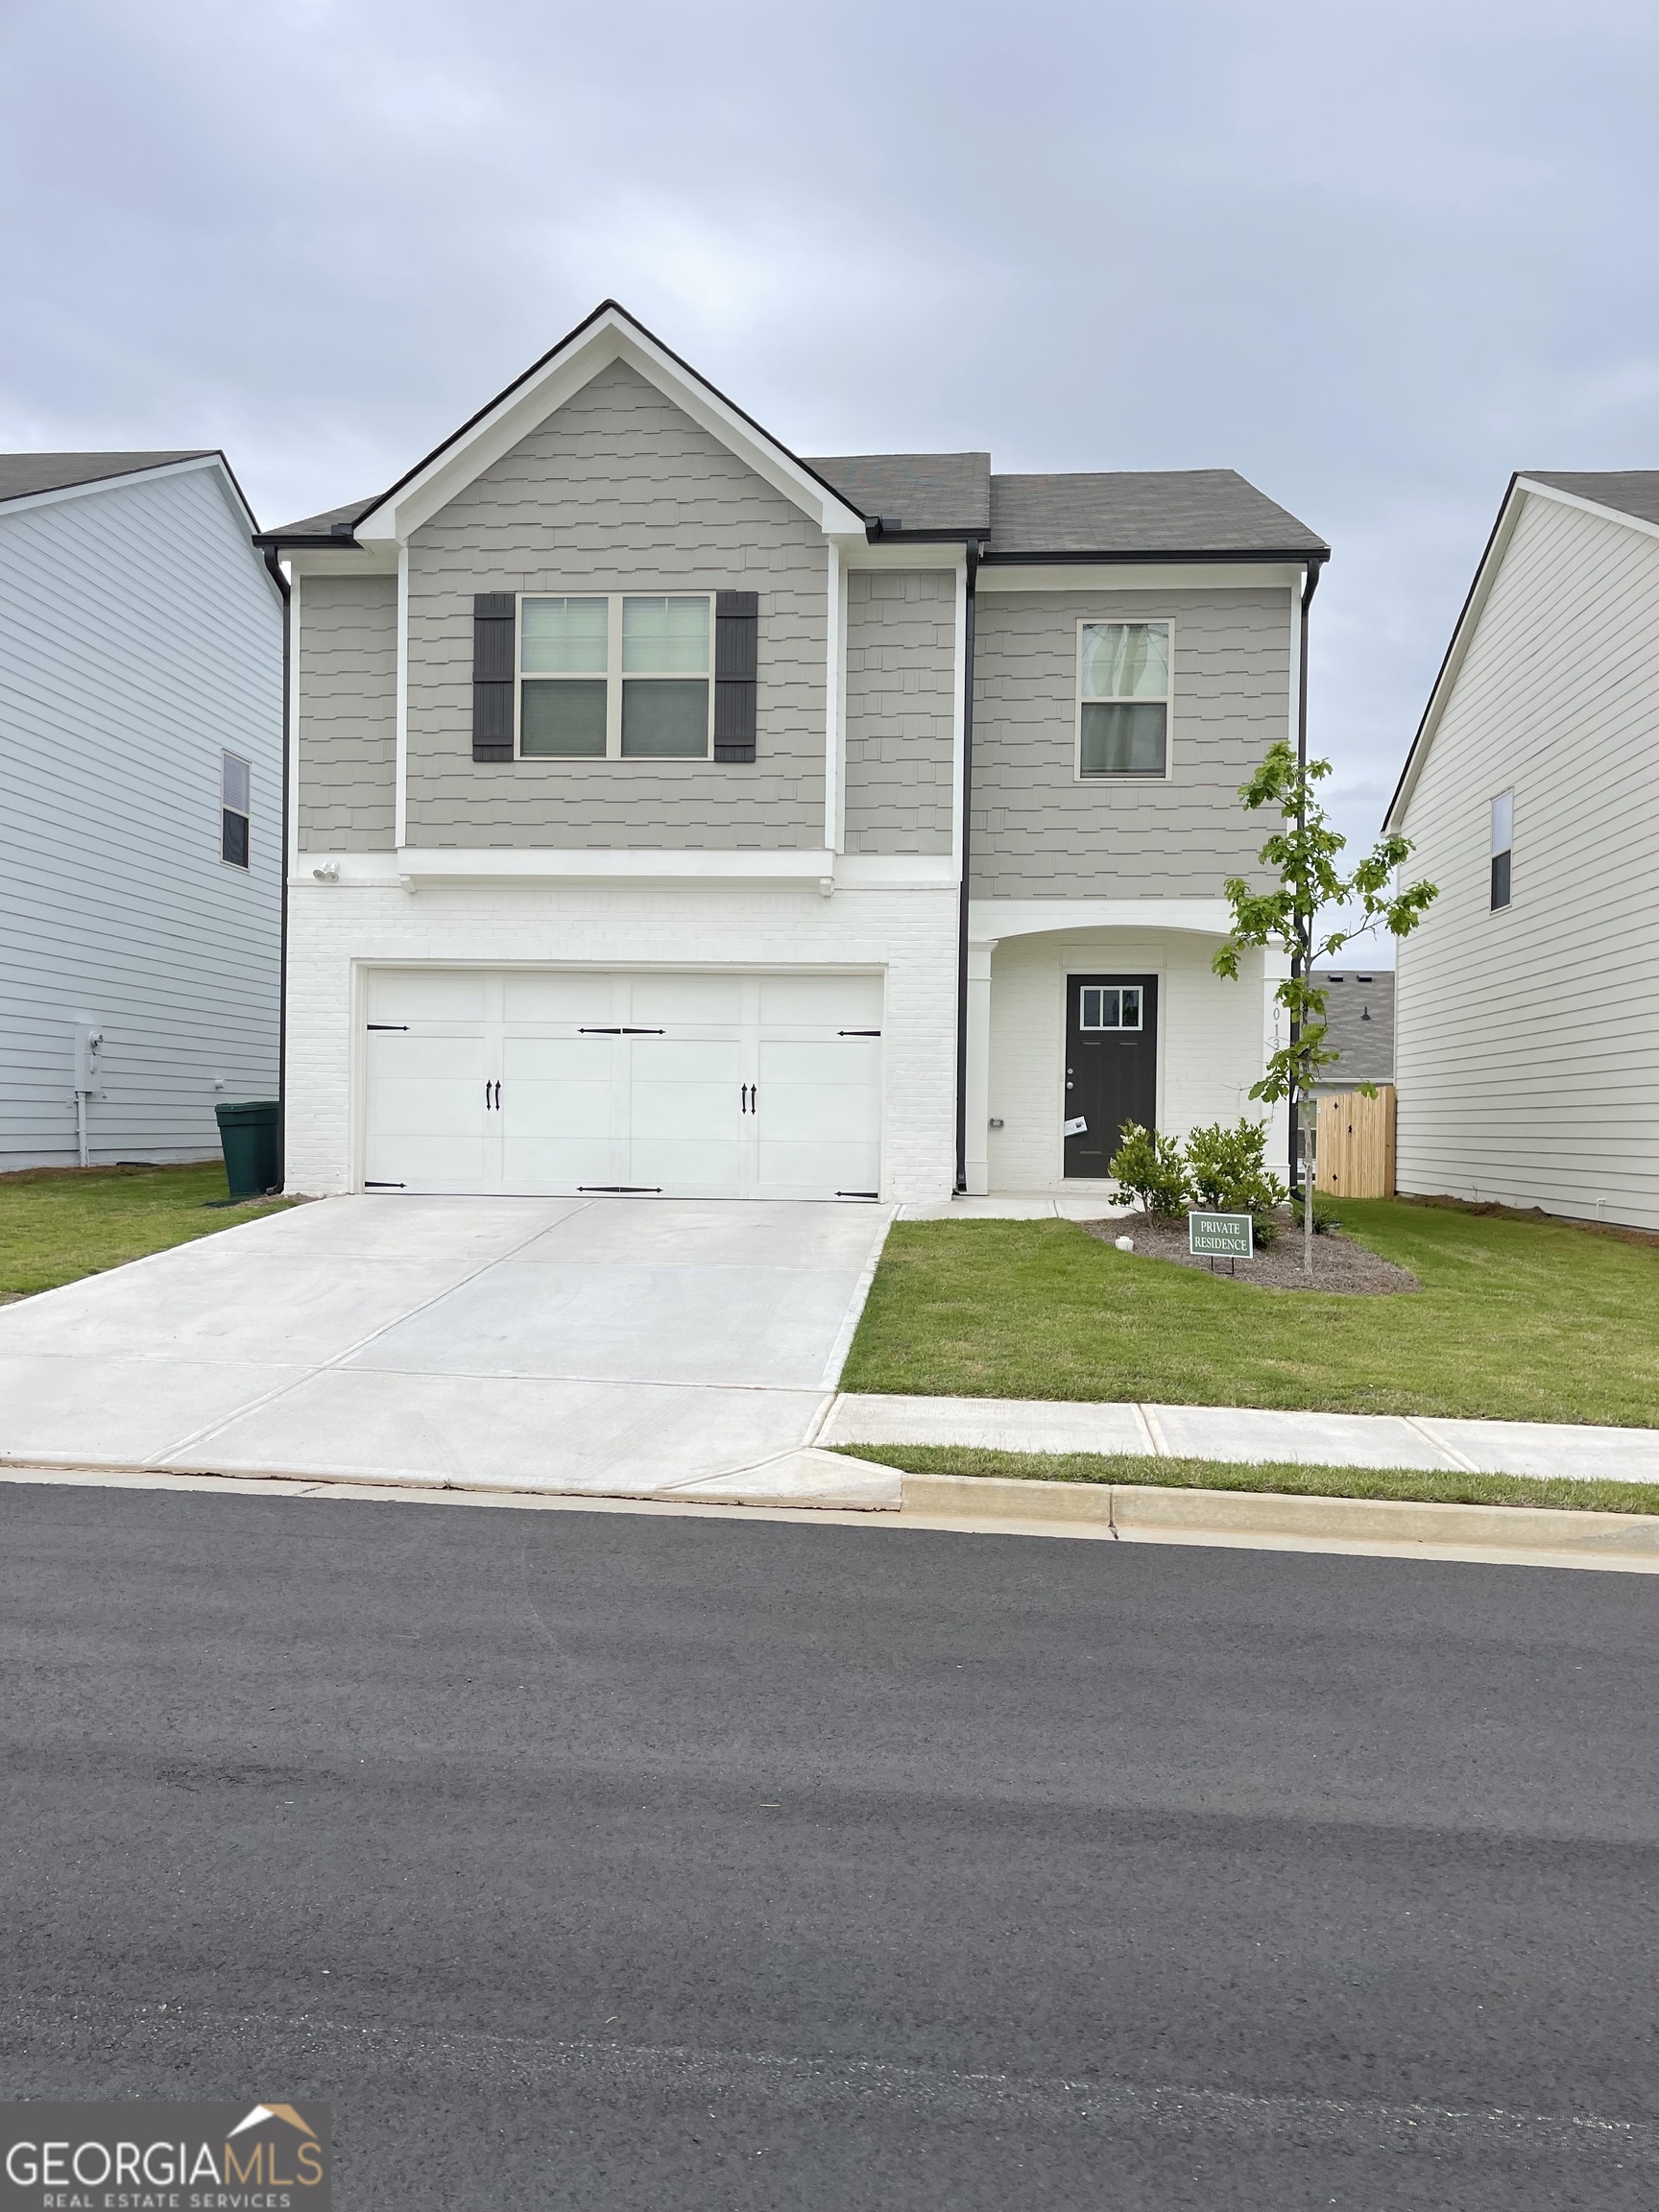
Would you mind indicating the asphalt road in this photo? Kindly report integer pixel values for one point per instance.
(602, 1861)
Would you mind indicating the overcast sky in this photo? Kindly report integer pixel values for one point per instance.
(1374, 258)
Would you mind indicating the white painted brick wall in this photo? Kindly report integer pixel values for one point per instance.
(911, 934)
(1211, 1046)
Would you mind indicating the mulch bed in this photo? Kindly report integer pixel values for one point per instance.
(1339, 1265)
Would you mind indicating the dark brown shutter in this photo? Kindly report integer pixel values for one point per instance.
(736, 623)
(493, 675)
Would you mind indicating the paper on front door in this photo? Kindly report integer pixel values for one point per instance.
(1076, 1127)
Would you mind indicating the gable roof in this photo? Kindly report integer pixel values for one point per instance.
(1188, 514)
(1628, 494)
(24, 474)
(1145, 513)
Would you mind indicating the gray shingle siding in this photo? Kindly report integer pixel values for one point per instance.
(345, 680)
(901, 708)
(1038, 832)
(619, 490)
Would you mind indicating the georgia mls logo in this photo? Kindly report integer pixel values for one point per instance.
(207, 2157)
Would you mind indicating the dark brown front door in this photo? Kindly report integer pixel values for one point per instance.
(1111, 1065)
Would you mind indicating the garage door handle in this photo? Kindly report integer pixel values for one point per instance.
(490, 1102)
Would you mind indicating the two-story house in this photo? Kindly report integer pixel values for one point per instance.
(141, 779)
(1525, 794)
(672, 813)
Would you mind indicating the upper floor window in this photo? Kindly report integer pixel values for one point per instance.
(617, 676)
(1124, 699)
(234, 809)
(1503, 839)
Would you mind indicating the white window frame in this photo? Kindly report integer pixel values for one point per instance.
(1123, 775)
(242, 867)
(1118, 1028)
(1504, 851)
(613, 678)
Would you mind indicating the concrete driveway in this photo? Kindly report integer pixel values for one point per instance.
(618, 1346)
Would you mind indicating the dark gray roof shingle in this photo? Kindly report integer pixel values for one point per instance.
(1154, 511)
(24, 473)
(321, 525)
(1632, 490)
(1359, 1018)
(913, 491)
(1143, 511)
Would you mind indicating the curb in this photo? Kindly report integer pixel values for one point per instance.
(1133, 1509)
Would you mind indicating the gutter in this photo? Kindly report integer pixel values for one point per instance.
(974, 552)
(273, 565)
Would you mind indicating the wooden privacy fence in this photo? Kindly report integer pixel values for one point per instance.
(1354, 1146)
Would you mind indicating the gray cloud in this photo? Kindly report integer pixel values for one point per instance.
(1374, 258)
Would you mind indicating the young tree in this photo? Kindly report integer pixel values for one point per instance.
(1290, 918)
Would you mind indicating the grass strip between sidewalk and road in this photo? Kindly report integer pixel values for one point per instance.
(1413, 1486)
(57, 1224)
(1516, 1320)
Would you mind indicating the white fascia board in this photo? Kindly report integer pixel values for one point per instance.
(1462, 637)
(349, 561)
(990, 920)
(491, 864)
(895, 553)
(611, 338)
(1536, 491)
(1137, 576)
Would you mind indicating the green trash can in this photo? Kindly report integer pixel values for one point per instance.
(248, 1135)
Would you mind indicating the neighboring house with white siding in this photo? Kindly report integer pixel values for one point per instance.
(140, 806)
(1528, 997)
(676, 814)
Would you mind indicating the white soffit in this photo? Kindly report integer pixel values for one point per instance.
(609, 337)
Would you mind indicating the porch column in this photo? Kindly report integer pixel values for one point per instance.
(979, 1085)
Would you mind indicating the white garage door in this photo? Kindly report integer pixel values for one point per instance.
(687, 1086)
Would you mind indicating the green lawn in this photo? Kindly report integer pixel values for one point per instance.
(57, 1224)
(1414, 1485)
(1517, 1319)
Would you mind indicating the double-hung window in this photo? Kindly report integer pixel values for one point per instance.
(1503, 843)
(234, 811)
(1124, 699)
(618, 676)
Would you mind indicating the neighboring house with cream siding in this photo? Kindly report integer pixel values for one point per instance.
(140, 806)
(676, 814)
(1528, 997)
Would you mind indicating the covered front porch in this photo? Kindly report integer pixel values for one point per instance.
(1058, 990)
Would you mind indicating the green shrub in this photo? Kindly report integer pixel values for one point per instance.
(1148, 1168)
(1225, 1169)
(1325, 1215)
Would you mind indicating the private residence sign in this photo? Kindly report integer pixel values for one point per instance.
(1221, 1236)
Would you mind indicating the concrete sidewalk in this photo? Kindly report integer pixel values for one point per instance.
(1246, 1435)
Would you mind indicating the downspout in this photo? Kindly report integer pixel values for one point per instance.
(973, 551)
(274, 565)
(1298, 952)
